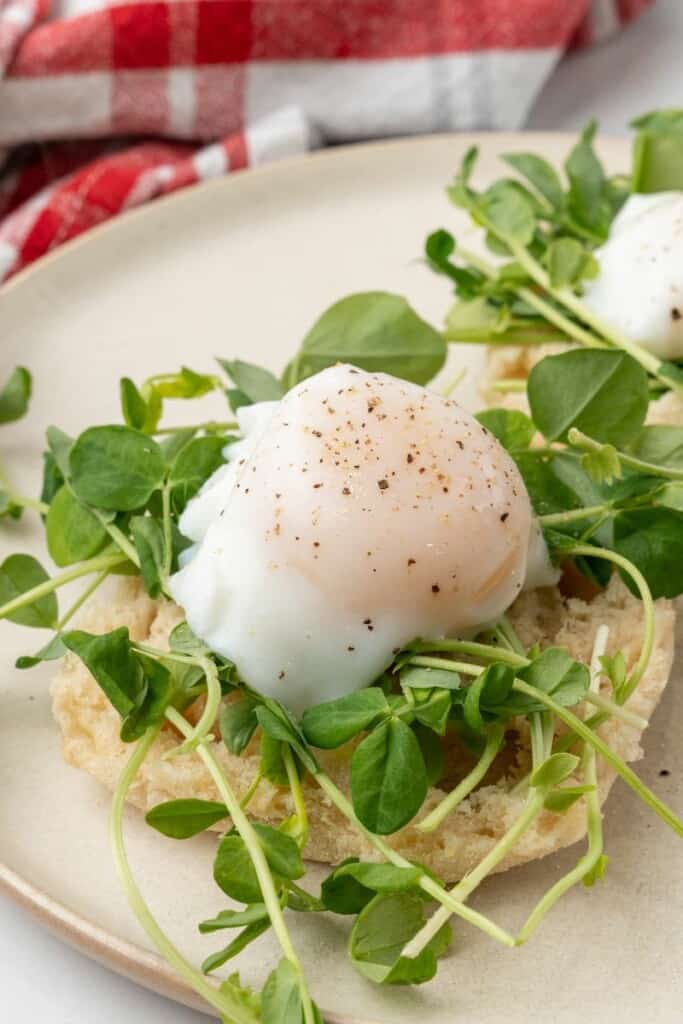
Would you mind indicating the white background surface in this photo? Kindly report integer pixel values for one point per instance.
(44, 980)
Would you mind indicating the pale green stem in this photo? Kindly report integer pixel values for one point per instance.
(21, 499)
(166, 525)
(258, 858)
(74, 573)
(211, 427)
(297, 794)
(249, 795)
(509, 634)
(118, 536)
(450, 666)
(616, 711)
(427, 884)
(546, 309)
(220, 1000)
(573, 515)
(613, 760)
(469, 883)
(589, 444)
(593, 814)
(80, 601)
(493, 744)
(476, 650)
(208, 715)
(571, 301)
(648, 610)
(512, 386)
(457, 379)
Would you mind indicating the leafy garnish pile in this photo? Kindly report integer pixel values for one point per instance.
(608, 493)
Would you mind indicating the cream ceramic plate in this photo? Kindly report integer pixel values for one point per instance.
(241, 268)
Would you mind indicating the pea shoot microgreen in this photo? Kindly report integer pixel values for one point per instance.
(607, 491)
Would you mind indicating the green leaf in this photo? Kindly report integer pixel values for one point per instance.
(557, 674)
(604, 394)
(236, 398)
(234, 918)
(658, 152)
(415, 677)
(476, 320)
(376, 331)
(614, 667)
(652, 538)
(52, 650)
(381, 877)
(185, 384)
(388, 778)
(439, 248)
(560, 800)
(233, 871)
(565, 259)
(281, 996)
(334, 722)
(181, 819)
(15, 395)
(172, 445)
(148, 538)
(597, 872)
(73, 533)
(342, 893)
(432, 753)
(115, 467)
(194, 464)
(277, 723)
(505, 208)
(136, 412)
(432, 709)
(272, 765)
(52, 478)
(18, 575)
(8, 507)
(183, 641)
(245, 938)
(670, 496)
(661, 444)
(380, 933)
(512, 428)
(587, 185)
(540, 174)
(152, 701)
(254, 382)
(60, 445)
(282, 853)
(487, 693)
(112, 664)
(554, 770)
(238, 723)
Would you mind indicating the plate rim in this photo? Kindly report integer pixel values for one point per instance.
(126, 958)
(307, 160)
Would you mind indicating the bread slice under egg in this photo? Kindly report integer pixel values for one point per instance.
(90, 737)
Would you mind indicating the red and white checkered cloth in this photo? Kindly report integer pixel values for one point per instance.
(245, 81)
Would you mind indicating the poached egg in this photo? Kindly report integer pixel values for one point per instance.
(357, 513)
(639, 290)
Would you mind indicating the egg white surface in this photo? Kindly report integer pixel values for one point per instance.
(358, 513)
(639, 290)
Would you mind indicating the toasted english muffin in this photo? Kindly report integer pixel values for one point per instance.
(90, 737)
